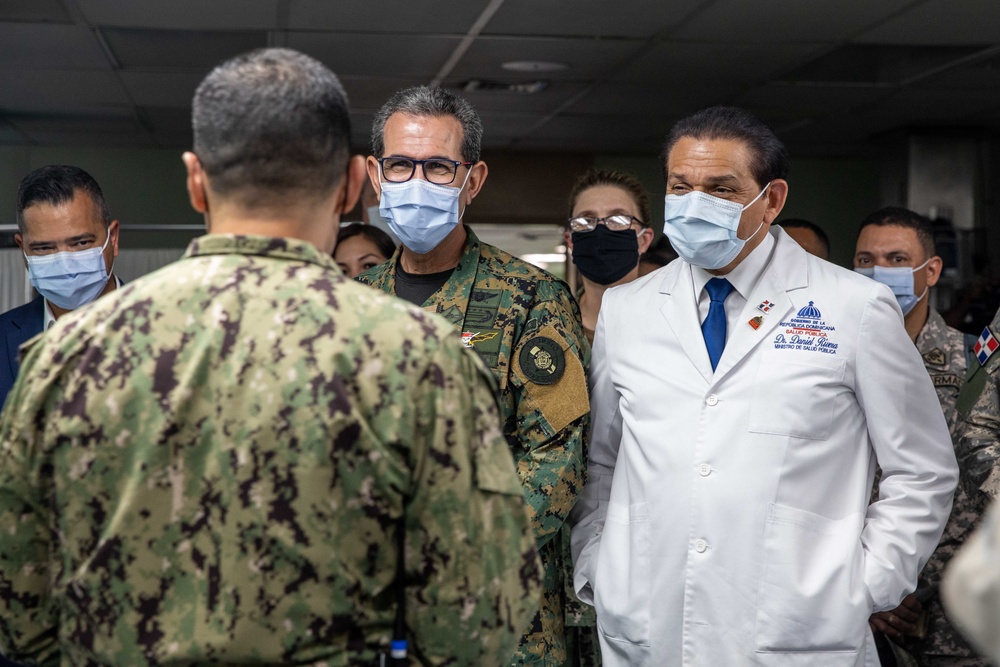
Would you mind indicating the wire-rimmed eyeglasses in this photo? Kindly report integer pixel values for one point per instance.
(616, 223)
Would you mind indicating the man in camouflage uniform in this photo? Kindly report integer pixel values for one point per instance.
(979, 417)
(213, 464)
(522, 321)
(901, 240)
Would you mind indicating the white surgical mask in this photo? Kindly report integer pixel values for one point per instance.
(702, 228)
(900, 280)
(69, 279)
(419, 212)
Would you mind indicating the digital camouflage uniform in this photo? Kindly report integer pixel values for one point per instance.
(525, 325)
(979, 414)
(944, 351)
(211, 466)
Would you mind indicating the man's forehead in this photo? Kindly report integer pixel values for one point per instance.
(888, 238)
(717, 157)
(408, 128)
(67, 219)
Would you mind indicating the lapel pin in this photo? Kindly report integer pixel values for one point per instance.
(756, 322)
(765, 307)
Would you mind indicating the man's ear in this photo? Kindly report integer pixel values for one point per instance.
(775, 196)
(197, 185)
(19, 240)
(934, 267)
(113, 236)
(372, 166)
(477, 177)
(350, 185)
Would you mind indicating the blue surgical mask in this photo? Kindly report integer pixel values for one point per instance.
(420, 213)
(900, 280)
(702, 228)
(69, 279)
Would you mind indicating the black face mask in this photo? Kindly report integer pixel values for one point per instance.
(604, 256)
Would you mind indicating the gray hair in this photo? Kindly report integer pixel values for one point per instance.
(428, 101)
(271, 123)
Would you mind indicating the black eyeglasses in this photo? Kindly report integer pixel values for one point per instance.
(436, 170)
(616, 223)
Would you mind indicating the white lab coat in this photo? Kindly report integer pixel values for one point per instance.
(725, 521)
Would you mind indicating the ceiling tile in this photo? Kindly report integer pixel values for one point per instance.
(59, 90)
(162, 89)
(41, 11)
(649, 100)
(940, 22)
(183, 14)
(549, 99)
(717, 64)
(586, 58)
(878, 63)
(109, 128)
(170, 49)
(394, 56)
(369, 93)
(591, 18)
(399, 16)
(773, 21)
(809, 101)
(47, 46)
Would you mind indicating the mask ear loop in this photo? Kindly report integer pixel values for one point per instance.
(761, 194)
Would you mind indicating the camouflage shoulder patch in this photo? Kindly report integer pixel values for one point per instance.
(542, 360)
(936, 357)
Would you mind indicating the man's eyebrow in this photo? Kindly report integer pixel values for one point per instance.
(73, 239)
(727, 179)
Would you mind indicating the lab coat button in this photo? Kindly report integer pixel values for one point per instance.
(704, 470)
(712, 399)
(700, 546)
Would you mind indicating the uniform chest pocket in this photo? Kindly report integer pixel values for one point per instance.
(796, 394)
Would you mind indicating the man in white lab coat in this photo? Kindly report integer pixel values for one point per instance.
(741, 397)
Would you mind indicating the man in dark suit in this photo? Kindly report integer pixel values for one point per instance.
(70, 242)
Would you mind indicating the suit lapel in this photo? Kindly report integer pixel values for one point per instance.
(680, 310)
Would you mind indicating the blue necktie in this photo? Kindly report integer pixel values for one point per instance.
(714, 326)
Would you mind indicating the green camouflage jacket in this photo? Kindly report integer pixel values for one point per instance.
(525, 325)
(979, 417)
(211, 466)
(943, 350)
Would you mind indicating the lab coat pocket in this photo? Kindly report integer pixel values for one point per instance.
(622, 580)
(811, 593)
(810, 380)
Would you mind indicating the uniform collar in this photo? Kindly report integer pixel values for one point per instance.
(265, 246)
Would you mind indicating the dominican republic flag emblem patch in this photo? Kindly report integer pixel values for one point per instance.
(985, 346)
(765, 306)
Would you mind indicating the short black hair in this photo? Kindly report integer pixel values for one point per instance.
(769, 158)
(431, 101)
(381, 240)
(897, 216)
(56, 184)
(619, 179)
(271, 124)
(799, 223)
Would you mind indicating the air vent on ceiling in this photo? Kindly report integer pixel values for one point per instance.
(519, 88)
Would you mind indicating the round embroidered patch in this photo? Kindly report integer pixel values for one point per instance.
(542, 360)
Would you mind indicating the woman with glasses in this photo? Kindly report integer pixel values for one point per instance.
(608, 230)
